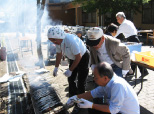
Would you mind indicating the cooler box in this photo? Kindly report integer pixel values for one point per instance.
(133, 46)
(145, 57)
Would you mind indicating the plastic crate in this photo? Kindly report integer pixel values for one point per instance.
(145, 57)
(134, 46)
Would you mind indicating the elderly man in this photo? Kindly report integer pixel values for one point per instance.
(128, 29)
(72, 47)
(121, 97)
(104, 48)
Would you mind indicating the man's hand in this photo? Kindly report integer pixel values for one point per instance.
(72, 100)
(93, 67)
(85, 104)
(55, 71)
(68, 73)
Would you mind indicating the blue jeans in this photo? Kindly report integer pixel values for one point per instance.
(117, 70)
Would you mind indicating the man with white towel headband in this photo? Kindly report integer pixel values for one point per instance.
(75, 50)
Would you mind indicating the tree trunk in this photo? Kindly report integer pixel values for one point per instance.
(40, 8)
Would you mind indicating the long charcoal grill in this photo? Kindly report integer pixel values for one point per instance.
(17, 103)
(44, 97)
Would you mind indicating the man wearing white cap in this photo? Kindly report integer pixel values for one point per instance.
(104, 48)
(74, 48)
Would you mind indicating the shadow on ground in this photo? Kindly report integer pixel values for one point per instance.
(133, 81)
(144, 110)
(49, 63)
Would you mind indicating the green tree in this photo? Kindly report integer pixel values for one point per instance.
(113, 6)
(110, 6)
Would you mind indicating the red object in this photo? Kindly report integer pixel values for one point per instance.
(3, 53)
(145, 60)
(142, 58)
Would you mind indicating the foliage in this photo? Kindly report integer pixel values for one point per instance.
(112, 6)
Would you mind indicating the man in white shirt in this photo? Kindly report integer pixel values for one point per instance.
(127, 28)
(129, 31)
(121, 97)
(72, 47)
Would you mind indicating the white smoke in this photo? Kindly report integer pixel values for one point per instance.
(19, 18)
(19, 15)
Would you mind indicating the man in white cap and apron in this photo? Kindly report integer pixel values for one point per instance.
(74, 49)
(104, 48)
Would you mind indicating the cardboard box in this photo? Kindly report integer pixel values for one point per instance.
(145, 57)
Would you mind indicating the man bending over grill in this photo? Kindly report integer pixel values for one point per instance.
(120, 96)
(104, 48)
(73, 48)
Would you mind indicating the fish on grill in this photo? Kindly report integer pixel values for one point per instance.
(45, 98)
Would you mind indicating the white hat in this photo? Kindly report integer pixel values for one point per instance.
(56, 32)
(94, 36)
(95, 33)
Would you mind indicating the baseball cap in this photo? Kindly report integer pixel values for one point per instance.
(94, 36)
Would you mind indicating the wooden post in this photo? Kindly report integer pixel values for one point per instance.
(76, 15)
(97, 17)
